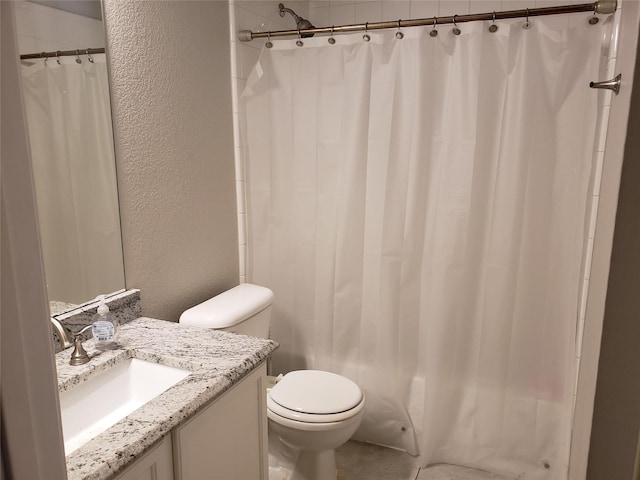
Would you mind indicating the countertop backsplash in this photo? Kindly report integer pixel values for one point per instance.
(124, 305)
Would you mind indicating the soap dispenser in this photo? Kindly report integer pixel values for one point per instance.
(105, 327)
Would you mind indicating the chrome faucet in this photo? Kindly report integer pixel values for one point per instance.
(64, 335)
(67, 339)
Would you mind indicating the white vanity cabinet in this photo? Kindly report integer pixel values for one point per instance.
(228, 439)
(156, 464)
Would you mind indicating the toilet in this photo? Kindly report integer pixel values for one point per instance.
(312, 411)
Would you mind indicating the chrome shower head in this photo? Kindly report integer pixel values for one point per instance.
(301, 23)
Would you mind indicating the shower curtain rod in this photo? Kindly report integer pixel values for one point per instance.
(600, 6)
(62, 53)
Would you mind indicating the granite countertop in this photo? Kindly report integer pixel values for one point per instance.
(216, 359)
(56, 307)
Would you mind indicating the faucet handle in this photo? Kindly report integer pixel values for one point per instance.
(79, 356)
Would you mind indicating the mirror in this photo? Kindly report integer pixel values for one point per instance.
(68, 116)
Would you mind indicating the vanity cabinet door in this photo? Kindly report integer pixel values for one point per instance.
(228, 439)
(157, 464)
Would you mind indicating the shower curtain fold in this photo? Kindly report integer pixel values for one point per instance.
(418, 208)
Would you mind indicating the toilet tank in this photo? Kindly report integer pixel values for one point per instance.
(244, 309)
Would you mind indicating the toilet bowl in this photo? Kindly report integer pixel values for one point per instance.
(312, 411)
(315, 412)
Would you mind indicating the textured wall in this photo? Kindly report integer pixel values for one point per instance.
(171, 97)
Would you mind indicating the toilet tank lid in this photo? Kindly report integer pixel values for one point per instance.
(229, 308)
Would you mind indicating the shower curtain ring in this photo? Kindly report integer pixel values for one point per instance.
(366, 36)
(527, 25)
(456, 30)
(44, 54)
(493, 28)
(434, 32)
(299, 42)
(89, 56)
(399, 34)
(331, 40)
(268, 43)
(78, 60)
(593, 20)
(58, 57)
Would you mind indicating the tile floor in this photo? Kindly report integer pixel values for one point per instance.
(364, 461)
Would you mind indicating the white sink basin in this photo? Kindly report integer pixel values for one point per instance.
(93, 406)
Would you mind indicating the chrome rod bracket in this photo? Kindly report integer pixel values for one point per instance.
(606, 7)
(245, 35)
(613, 84)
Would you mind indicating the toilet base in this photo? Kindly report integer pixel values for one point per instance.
(316, 466)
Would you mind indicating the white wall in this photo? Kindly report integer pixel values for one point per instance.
(322, 12)
(31, 428)
(607, 201)
(616, 419)
(608, 57)
(46, 29)
(258, 16)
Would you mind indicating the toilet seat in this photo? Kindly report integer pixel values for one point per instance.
(316, 418)
(315, 396)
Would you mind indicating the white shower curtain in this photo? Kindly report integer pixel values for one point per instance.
(418, 207)
(71, 140)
